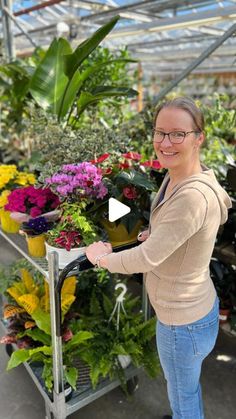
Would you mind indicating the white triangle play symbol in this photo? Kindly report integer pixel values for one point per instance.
(116, 209)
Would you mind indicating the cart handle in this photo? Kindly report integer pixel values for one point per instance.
(83, 264)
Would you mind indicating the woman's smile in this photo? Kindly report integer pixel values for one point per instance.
(169, 153)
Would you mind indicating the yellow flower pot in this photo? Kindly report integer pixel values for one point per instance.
(118, 235)
(36, 245)
(8, 224)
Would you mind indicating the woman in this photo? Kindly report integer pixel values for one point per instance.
(175, 254)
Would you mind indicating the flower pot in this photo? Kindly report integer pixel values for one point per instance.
(36, 245)
(224, 315)
(7, 223)
(118, 235)
(64, 255)
(124, 360)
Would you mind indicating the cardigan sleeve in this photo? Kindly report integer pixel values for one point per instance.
(183, 217)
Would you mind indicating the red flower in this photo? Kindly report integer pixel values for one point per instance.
(154, 164)
(123, 165)
(130, 192)
(107, 171)
(132, 155)
(100, 159)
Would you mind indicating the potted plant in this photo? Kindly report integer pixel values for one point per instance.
(78, 186)
(71, 234)
(127, 180)
(110, 346)
(28, 323)
(10, 179)
(26, 205)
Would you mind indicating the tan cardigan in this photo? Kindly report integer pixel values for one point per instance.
(176, 255)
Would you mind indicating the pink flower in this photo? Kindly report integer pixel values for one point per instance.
(130, 192)
(67, 335)
(32, 201)
(8, 339)
(35, 212)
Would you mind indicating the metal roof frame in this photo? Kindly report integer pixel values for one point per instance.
(161, 34)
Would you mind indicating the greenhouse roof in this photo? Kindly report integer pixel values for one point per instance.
(167, 36)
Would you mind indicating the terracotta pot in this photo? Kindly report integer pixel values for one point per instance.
(8, 224)
(36, 245)
(118, 235)
(64, 255)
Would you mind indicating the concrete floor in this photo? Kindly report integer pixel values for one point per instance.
(20, 399)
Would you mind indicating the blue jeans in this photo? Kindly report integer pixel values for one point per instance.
(182, 350)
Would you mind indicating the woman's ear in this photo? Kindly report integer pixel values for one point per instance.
(200, 138)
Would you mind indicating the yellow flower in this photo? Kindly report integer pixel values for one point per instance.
(10, 177)
(3, 198)
(25, 179)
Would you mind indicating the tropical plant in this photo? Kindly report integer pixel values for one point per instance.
(219, 150)
(29, 326)
(57, 83)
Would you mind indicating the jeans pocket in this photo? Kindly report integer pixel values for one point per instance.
(203, 337)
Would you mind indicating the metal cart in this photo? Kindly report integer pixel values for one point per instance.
(58, 407)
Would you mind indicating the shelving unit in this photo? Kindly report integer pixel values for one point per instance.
(58, 408)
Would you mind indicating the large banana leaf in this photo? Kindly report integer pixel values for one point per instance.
(77, 81)
(48, 82)
(101, 93)
(73, 61)
(54, 83)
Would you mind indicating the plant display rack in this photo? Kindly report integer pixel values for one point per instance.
(57, 407)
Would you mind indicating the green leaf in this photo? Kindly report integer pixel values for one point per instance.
(71, 376)
(73, 61)
(101, 93)
(77, 339)
(49, 81)
(135, 178)
(75, 84)
(37, 335)
(42, 320)
(46, 350)
(17, 358)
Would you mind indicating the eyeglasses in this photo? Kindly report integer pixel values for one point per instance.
(175, 137)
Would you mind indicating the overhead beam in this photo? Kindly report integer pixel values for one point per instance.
(140, 6)
(196, 62)
(37, 7)
(179, 22)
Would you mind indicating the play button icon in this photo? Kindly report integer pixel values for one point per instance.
(116, 209)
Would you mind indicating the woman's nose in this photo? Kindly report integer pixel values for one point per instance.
(166, 141)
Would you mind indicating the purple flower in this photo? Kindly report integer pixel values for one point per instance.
(83, 179)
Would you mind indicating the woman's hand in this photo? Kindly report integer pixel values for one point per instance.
(97, 249)
(143, 236)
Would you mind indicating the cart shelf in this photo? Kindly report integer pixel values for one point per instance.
(84, 393)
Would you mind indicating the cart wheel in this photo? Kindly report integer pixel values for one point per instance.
(132, 385)
(9, 349)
